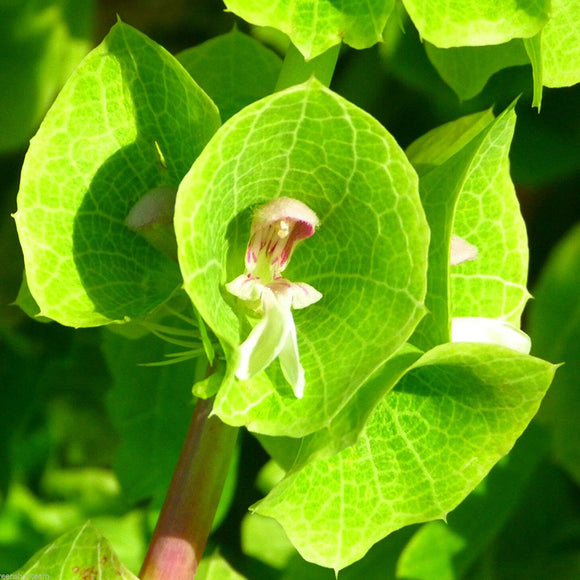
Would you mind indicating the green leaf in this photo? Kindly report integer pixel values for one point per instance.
(555, 332)
(426, 447)
(264, 539)
(367, 259)
(296, 69)
(446, 550)
(440, 144)
(467, 190)
(315, 27)
(553, 51)
(233, 69)
(82, 553)
(488, 216)
(215, 567)
(561, 45)
(94, 157)
(467, 69)
(344, 428)
(150, 408)
(451, 23)
(40, 44)
(533, 47)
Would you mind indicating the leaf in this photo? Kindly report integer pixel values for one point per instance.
(40, 44)
(561, 45)
(469, 192)
(82, 553)
(215, 567)
(467, 69)
(555, 331)
(264, 539)
(488, 216)
(553, 51)
(451, 23)
(345, 427)
(440, 144)
(533, 47)
(430, 442)
(447, 550)
(150, 408)
(233, 69)
(94, 157)
(315, 27)
(367, 259)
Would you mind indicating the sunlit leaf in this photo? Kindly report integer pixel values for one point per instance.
(314, 27)
(446, 550)
(561, 45)
(82, 553)
(467, 69)
(426, 447)
(467, 190)
(450, 23)
(367, 258)
(94, 157)
(215, 567)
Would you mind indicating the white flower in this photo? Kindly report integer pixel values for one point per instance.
(490, 330)
(276, 229)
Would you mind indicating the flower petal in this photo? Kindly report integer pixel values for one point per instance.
(245, 288)
(267, 338)
(299, 294)
(490, 330)
(461, 251)
(286, 208)
(290, 360)
(304, 295)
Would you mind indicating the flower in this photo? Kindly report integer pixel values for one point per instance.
(461, 251)
(276, 229)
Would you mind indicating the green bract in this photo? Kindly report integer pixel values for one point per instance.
(476, 22)
(560, 45)
(233, 69)
(368, 257)
(466, 189)
(468, 51)
(314, 27)
(427, 445)
(84, 552)
(447, 550)
(458, 408)
(467, 69)
(95, 155)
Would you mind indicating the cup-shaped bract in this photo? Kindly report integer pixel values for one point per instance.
(368, 258)
(129, 120)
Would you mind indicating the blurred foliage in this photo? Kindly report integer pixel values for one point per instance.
(41, 41)
(61, 460)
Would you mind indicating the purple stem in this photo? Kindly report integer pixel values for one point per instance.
(191, 502)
